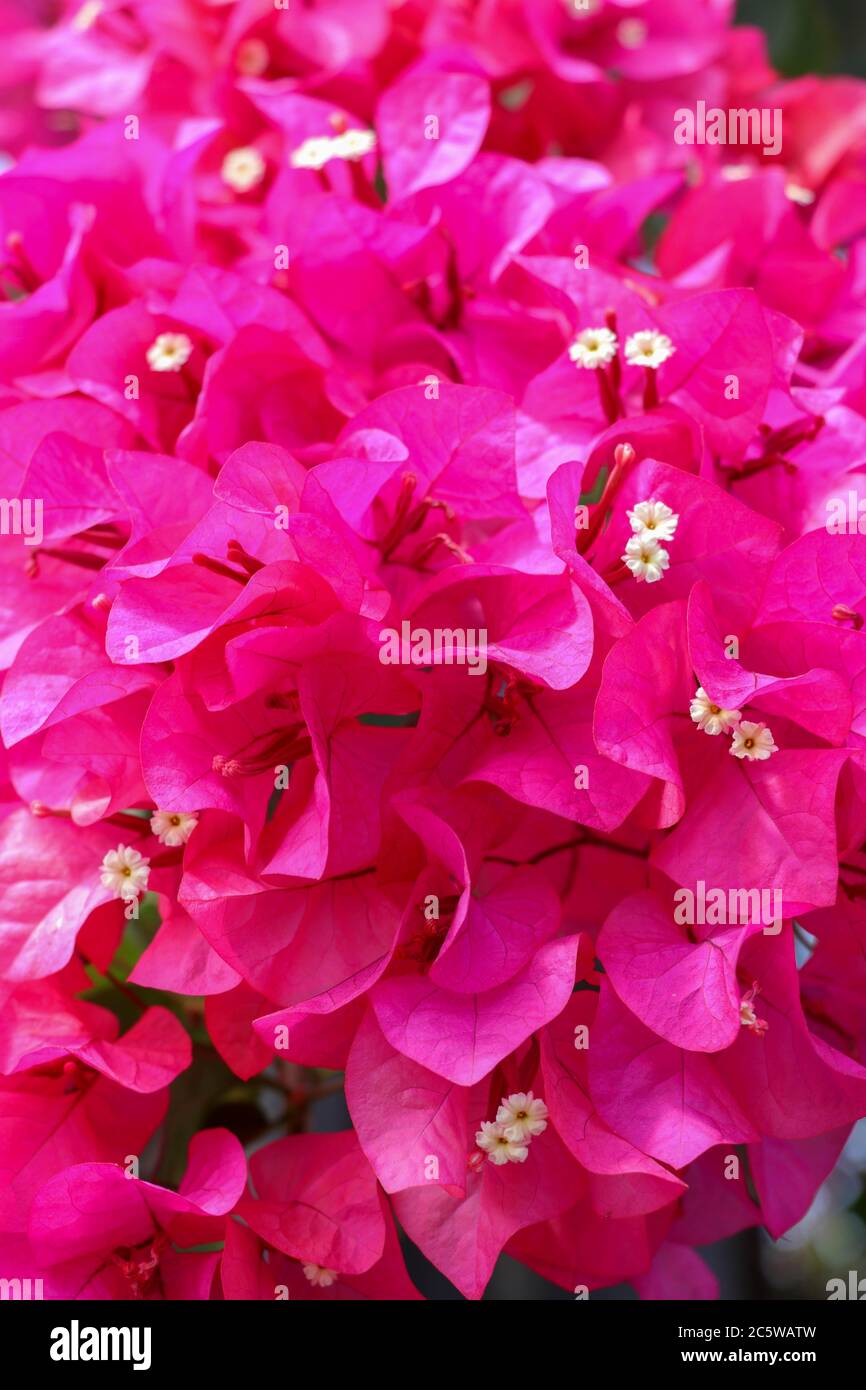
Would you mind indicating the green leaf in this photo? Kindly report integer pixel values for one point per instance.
(391, 721)
(588, 498)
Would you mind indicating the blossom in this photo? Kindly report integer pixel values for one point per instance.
(710, 717)
(648, 348)
(87, 15)
(124, 1236)
(593, 347)
(320, 1277)
(243, 168)
(314, 153)
(753, 742)
(646, 559)
(125, 872)
(653, 519)
(522, 1116)
(353, 144)
(632, 33)
(169, 352)
(748, 1017)
(173, 827)
(491, 1137)
(252, 57)
(282, 368)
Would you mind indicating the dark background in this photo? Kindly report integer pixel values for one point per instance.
(820, 36)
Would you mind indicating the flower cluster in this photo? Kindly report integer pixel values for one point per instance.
(519, 1119)
(749, 739)
(652, 522)
(312, 324)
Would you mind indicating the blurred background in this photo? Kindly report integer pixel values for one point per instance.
(820, 36)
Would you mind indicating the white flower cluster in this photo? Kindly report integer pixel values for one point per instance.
(648, 349)
(173, 828)
(169, 352)
(519, 1119)
(751, 741)
(651, 523)
(593, 348)
(125, 872)
(243, 168)
(596, 347)
(316, 152)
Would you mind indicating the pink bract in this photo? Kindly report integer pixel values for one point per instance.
(432, 650)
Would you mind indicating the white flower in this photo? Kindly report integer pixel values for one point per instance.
(125, 872)
(632, 33)
(648, 348)
(243, 168)
(653, 519)
(798, 194)
(321, 1277)
(313, 153)
(87, 16)
(748, 1018)
(522, 1116)
(173, 827)
(354, 144)
(752, 741)
(594, 348)
(491, 1138)
(709, 717)
(252, 57)
(646, 559)
(169, 352)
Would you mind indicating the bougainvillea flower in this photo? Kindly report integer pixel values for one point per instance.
(106, 1234)
(416, 157)
(464, 1235)
(245, 1274)
(666, 1101)
(50, 886)
(83, 1096)
(686, 993)
(317, 1201)
(433, 563)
